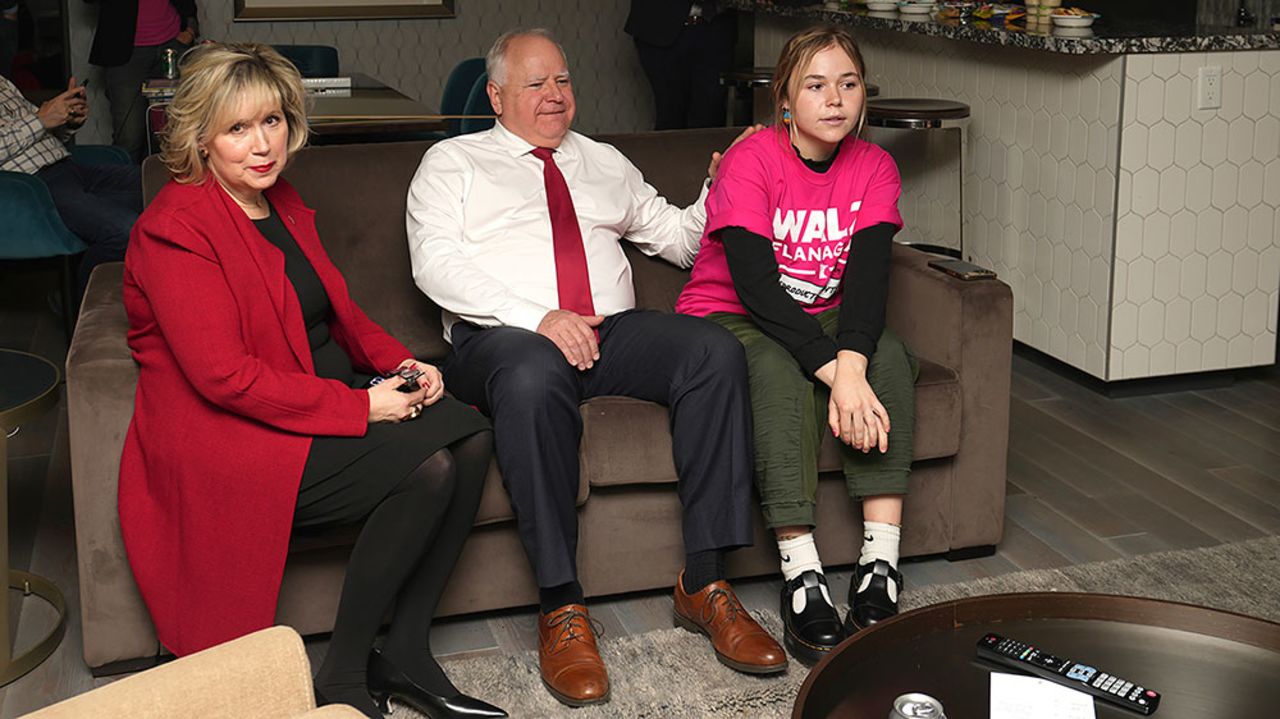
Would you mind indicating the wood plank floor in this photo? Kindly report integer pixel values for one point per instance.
(1089, 478)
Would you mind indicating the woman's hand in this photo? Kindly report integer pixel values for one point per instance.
(389, 404)
(854, 413)
(431, 380)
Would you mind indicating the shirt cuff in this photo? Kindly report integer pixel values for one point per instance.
(526, 316)
(812, 355)
(700, 204)
(857, 342)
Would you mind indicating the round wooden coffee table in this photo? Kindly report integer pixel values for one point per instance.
(1205, 663)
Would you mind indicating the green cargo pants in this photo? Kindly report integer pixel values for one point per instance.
(790, 415)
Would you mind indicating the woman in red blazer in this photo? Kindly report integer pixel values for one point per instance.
(253, 416)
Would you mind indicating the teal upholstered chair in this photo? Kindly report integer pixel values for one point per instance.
(32, 229)
(311, 60)
(457, 90)
(478, 104)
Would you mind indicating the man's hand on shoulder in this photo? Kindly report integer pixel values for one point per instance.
(714, 167)
(70, 108)
(574, 334)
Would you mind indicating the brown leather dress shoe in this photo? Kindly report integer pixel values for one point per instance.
(570, 663)
(739, 641)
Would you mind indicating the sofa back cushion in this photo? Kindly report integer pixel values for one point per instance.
(359, 193)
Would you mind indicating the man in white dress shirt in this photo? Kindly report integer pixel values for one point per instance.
(516, 233)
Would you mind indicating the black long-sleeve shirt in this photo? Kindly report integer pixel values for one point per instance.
(753, 268)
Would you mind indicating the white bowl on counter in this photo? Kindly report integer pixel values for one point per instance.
(1074, 21)
(915, 8)
(882, 5)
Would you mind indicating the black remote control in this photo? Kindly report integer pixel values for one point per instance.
(1108, 687)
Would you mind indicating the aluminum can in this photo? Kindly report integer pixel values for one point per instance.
(916, 706)
(169, 63)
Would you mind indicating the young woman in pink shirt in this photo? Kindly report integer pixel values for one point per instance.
(795, 262)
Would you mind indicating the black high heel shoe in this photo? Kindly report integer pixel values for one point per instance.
(386, 680)
(369, 708)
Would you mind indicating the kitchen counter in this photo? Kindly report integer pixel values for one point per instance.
(1104, 38)
(1137, 223)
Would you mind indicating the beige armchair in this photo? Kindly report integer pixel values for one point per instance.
(265, 674)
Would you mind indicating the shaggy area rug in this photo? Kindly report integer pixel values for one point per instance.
(653, 673)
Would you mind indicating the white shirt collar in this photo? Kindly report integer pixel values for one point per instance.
(517, 146)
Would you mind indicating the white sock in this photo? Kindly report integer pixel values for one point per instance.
(799, 555)
(880, 541)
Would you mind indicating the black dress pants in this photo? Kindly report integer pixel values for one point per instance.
(523, 382)
(685, 75)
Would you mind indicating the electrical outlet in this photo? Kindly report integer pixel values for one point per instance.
(1210, 88)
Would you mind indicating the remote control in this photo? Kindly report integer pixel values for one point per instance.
(1108, 687)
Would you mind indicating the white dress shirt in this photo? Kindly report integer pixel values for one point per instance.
(480, 233)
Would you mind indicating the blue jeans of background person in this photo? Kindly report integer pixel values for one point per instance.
(99, 204)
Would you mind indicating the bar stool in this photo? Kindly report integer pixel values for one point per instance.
(742, 84)
(907, 113)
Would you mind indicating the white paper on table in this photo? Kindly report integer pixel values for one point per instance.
(1015, 696)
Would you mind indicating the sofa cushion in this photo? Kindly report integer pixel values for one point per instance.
(937, 418)
(628, 441)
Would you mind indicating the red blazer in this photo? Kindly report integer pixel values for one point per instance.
(226, 405)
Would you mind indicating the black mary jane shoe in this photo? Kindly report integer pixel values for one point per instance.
(872, 604)
(387, 681)
(812, 633)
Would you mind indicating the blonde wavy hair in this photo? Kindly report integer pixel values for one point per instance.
(788, 74)
(214, 79)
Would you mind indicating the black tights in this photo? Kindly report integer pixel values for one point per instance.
(405, 553)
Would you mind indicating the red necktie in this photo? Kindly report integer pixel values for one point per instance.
(573, 284)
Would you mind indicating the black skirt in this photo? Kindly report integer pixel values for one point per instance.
(345, 478)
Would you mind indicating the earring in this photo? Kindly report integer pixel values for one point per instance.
(786, 116)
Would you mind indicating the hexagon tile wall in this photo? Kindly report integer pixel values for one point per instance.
(1197, 246)
(1141, 237)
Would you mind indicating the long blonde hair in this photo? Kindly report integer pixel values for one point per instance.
(795, 58)
(214, 78)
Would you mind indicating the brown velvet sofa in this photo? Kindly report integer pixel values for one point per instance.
(628, 510)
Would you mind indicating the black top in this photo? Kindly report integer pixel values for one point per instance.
(754, 269)
(659, 22)
(329, 358)
(117, 24)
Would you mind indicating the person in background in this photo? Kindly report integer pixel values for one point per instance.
(128, 43)
(684, 46)
(8, 36)
(97, 203)
(516, 232)
(256, 415)
(795, 262)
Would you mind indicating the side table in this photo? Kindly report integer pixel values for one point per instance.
(28, 389)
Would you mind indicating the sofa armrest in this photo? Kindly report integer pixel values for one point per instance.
(967, 326)
(101, 380)
(264, 674)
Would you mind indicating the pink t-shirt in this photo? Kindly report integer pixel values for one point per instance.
(764, 188)
(158, 23)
